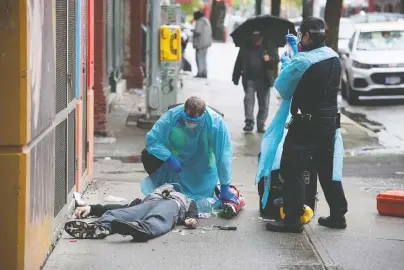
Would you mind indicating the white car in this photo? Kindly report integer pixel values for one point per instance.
(346, 30)
(373, 62)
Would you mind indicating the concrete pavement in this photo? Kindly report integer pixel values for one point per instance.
(370, 242)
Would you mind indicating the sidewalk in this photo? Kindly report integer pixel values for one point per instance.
(366, 244)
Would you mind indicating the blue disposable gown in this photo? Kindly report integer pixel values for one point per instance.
(204, 152)
(272, 143)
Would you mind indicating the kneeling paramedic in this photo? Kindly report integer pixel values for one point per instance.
(309, 84)
(190, 146)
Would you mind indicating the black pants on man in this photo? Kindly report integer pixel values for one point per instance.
(310, 141)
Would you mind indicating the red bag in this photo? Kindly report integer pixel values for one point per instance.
(391, 203)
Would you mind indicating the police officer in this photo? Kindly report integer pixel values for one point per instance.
(310, 139)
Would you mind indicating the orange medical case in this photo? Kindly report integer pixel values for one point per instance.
(391, 203)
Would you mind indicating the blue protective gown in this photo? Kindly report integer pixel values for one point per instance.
(205, 153)
(272, 143)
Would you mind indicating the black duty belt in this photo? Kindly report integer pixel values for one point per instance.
(309, 117)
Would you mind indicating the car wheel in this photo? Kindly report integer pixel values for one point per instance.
(352, 96)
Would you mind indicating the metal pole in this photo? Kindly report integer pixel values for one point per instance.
(153, 93)
(258, 7)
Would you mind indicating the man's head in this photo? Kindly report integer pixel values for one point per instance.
(256, 38)
(312, 33)
(197, 15)
(194, 109)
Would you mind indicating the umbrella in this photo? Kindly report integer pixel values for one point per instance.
(274, 30)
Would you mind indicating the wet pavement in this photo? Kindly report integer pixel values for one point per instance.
(382, 116)
(370, 242)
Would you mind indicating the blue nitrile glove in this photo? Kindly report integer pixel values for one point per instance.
(227, 195)
(292, 40)
(285, 57)
(174, 164)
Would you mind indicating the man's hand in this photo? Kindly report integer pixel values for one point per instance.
(267, 58)
(191, 223)
(83, 211)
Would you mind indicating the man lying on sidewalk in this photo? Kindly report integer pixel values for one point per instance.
(144, 219)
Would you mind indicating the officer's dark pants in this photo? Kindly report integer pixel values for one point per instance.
(150, 162)
(310, 142)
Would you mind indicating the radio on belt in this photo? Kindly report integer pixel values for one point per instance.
(170, 43)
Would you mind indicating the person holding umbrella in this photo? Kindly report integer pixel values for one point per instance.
(257, 68)
(309, 85)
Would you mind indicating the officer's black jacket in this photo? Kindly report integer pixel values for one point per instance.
(317, 91)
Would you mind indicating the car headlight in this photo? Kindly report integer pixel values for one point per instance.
(356, 64)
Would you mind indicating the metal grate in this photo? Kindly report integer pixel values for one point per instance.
(85, 40)
(60, 167)
(61, 55)
(71, 150)
(71, 49)
(109, 37)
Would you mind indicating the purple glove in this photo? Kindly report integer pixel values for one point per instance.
(227, 195)
(174, 164)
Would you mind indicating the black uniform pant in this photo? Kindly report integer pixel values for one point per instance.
(150, 163)
(310, 143)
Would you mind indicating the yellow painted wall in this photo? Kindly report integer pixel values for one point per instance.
(13, 73)
(14, 132)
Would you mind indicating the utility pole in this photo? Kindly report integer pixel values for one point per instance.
(153, 82)
(307, 9)
(258, 7)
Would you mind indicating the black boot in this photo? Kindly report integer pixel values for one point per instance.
(261, 129)
(331, 222)
(281, 226)
(248, 127)
(133, 229)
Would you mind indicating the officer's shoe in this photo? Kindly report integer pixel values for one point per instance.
(261, 129)
(248, 128)
(281, 226)
(334, 223)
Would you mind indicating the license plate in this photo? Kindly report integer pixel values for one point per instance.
(393, 80)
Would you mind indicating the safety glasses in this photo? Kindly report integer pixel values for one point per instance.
(192, 119)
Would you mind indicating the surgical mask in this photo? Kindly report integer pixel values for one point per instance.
(191, 125)
(256, 38)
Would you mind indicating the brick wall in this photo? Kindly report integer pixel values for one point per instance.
(100, 83)
(134, 68)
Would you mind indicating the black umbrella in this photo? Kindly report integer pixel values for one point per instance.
(274, 30)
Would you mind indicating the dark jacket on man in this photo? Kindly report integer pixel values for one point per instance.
(242, 65)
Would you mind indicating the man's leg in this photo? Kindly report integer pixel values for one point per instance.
(159, 220)
(292, 171)
(263, 95)
(197, 60)
(102, 227)
(333, 191)
(249, 102)
(204, 63)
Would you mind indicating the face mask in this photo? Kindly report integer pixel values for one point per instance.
(256, 38)
(191, 125)
(300, 47)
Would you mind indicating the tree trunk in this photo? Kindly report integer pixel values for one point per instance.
(276, 8)
(307, 9)
(258, 7)
(332, 18)
(402, 6)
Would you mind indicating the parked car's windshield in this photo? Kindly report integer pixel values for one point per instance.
(381, 40)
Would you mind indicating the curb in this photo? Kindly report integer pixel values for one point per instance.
(365, 129)
(320, 249)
